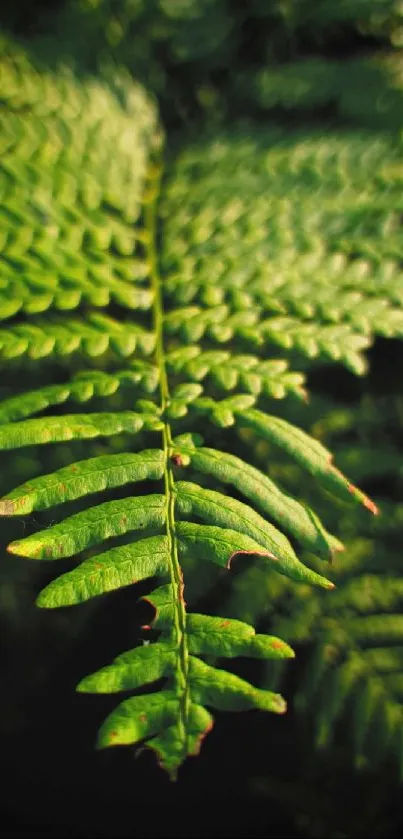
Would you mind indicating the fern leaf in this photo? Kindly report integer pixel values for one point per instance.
(81, 388)
(258, 488)
(311, 454)
(139, 718)
(83, 478)
(80, 233)
(231, 514)
(227, 372)
(93, 336)
(73, 427)
(131, 670)
(109, 571)
(92, 527)
(217, 544)
(228, 692)
(222, 637)
(207, 635)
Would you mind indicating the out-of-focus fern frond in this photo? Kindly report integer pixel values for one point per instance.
(288, 239)
(364, 91)
(70, 217)
(351, 686)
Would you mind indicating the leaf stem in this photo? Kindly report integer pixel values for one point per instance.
(181, 676)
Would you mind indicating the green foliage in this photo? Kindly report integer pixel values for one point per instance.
(63, 336)
(382, 18)
(69, 212)
(80, 208)
(209, 36)
(350, 688)
(355, 666)
(287, 238)
(367, 91)
(215, 58)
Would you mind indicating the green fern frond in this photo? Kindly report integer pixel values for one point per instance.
(84, 191)
(71, 232)
(291, 229)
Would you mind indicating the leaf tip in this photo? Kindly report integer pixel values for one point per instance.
(44, 600)
(29, 550)
(279, 704)
(283, 648)
(105, 739)
(7, 508)
(355, 491)
(11, 548)
(84, 685)
(371, 506)
(338, 548)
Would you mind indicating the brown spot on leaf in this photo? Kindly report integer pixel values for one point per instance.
(143, 717)
(224, 624)
(62, 487)
(278, 645)
(176, 459)
(123, 521)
